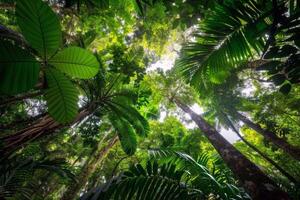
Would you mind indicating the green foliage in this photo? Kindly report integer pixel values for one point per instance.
(282, 55)
(126, 37)
(210, 178)
(179, 176)
(41, 29)
(76, 62)
(228, 35)
(19, 70)
(61, 96)
(126, 135)
(14, 172)
(128, 122)
(153, 181)
(40, 26)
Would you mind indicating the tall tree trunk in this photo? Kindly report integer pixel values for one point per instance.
(45, 125)
(87, 170)
(272, 137)
(285, 173)
(256, 183)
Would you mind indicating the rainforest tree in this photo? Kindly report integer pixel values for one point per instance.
(149, 99)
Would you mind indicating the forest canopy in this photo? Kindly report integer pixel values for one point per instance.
(149, 99)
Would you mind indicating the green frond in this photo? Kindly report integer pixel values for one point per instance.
(153, 181)
(130, 114)
(14, 172)
(230, 34)
(126, 134)
(207, 180)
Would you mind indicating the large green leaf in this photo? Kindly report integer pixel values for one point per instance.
(126, 134)
(39, 25)
(132, 116)
(61, 96)
(76, 62)
(19, 71)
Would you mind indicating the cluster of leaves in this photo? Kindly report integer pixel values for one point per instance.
(139, 182)
(228, 36)
(16, 171)
(130, 62)
(283, 57)
(172, 175)
(21, 68)
(115, 101)
(236, 31)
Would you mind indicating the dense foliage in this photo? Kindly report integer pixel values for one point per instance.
(149, 99)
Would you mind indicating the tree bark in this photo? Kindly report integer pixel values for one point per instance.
(256, 183)
(45, 125)
(285, 173)
(272, 137)
(88, 169)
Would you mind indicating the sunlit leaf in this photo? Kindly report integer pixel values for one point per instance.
(39, 25)
(76, 62)
(61, 96)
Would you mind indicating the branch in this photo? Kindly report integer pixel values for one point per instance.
(19, 98)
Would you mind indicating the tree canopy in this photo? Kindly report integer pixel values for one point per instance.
(149, 99)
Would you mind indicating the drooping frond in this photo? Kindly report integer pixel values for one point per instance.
(126, 134)
(230, 34)
(131, 114)
(14, 173)
(152, 181)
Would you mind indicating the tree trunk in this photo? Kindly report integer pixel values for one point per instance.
(272, 137)
(285, 173)
(45, 125)
(256, 183)
(88, 169)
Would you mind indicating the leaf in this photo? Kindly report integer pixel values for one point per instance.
(138, 122)
(126, 135)
(61, 96)
(76, 62)
(19, 71)
(39, 25)
(269, 65)
(143, 186)
(278, 79)
(288, 49)
(271, 53)
(286, 88)
(228, 36)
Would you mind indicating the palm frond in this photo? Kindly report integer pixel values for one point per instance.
(152, 181)
(15, 172)
(216, 180)
(229, 35)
